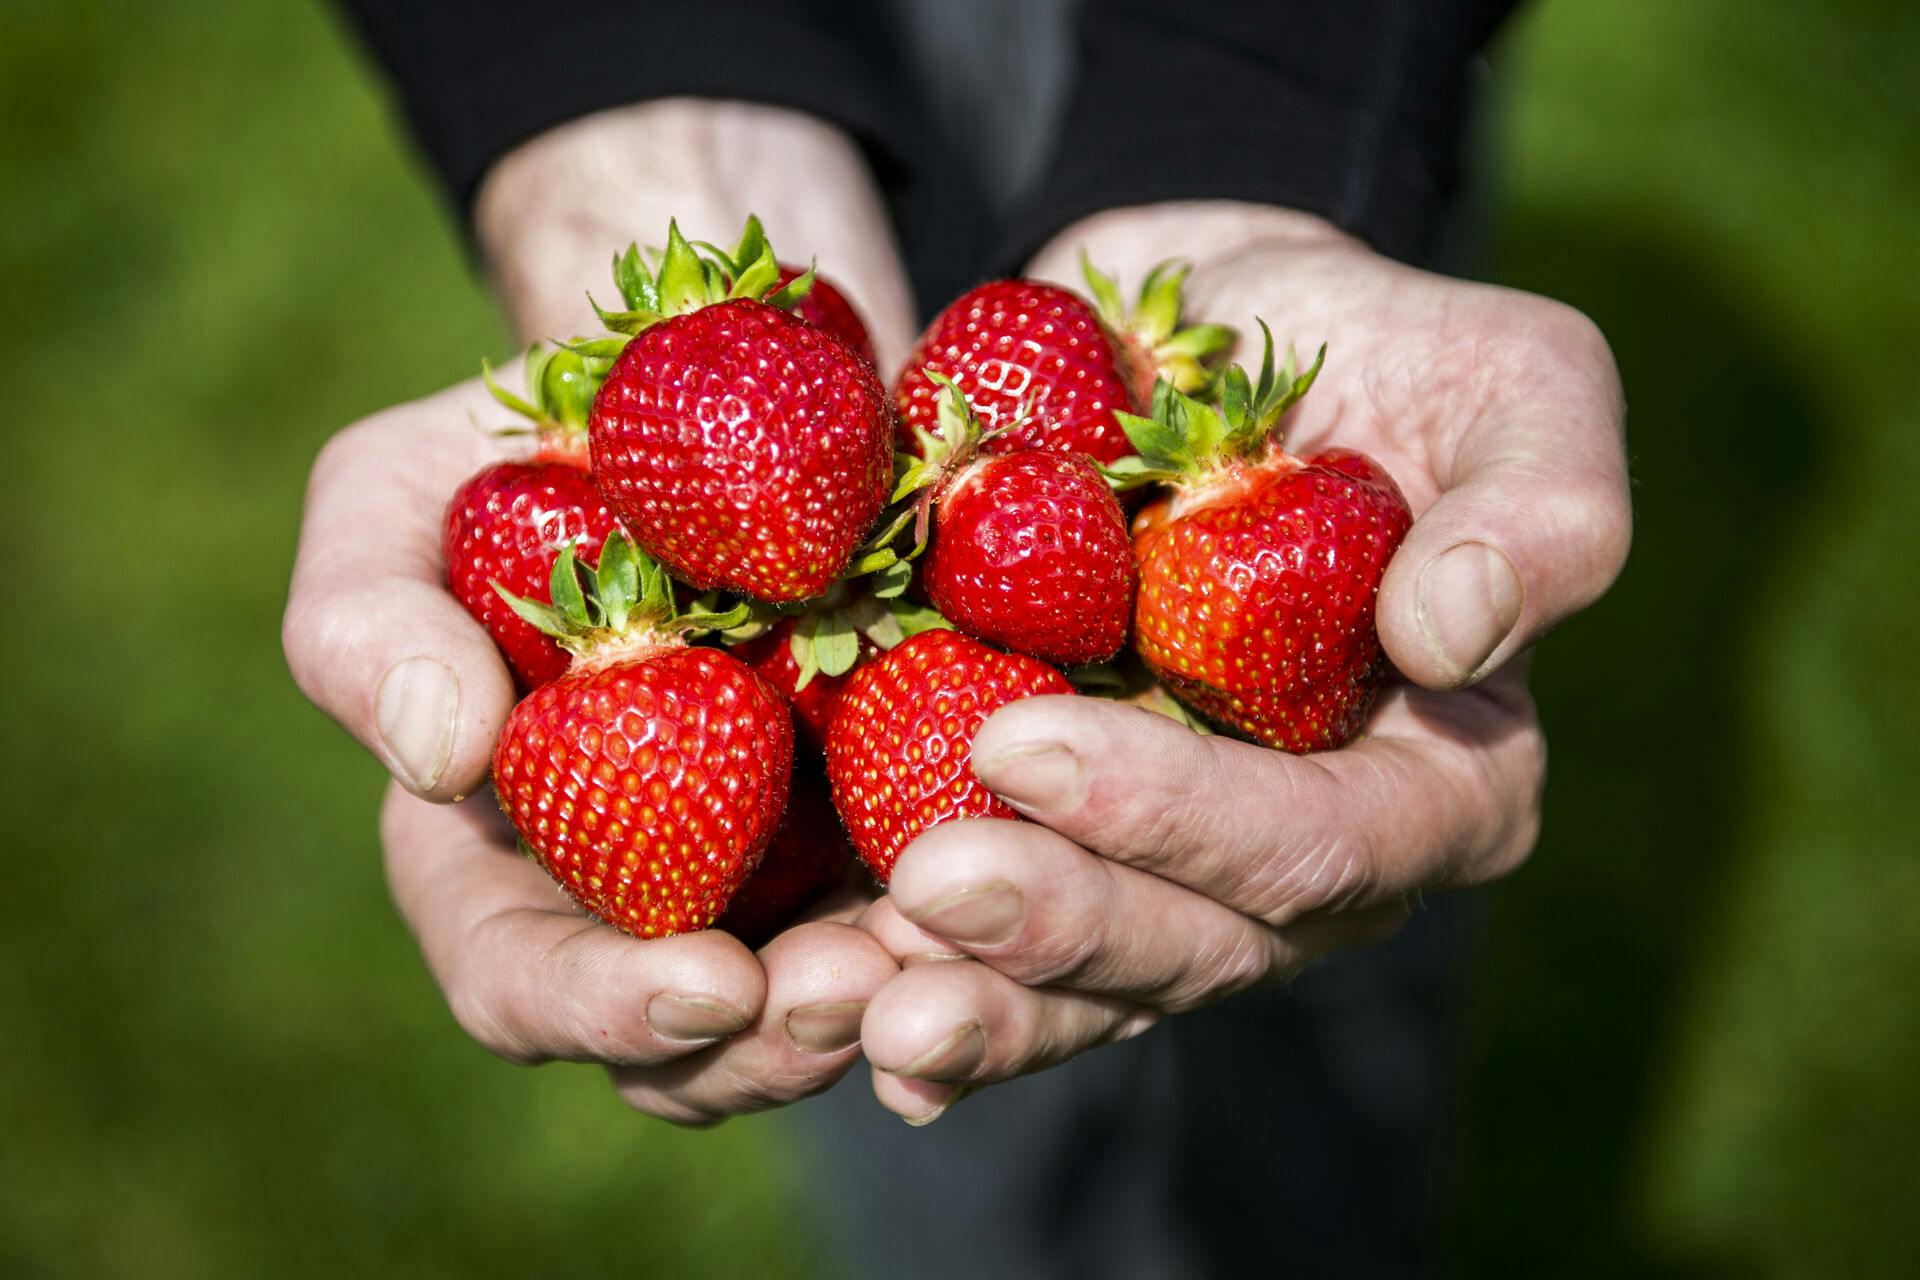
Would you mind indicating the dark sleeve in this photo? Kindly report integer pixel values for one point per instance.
(1350, 109)
(477, 79)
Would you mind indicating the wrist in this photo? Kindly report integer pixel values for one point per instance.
(551, 214)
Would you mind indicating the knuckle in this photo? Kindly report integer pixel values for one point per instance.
(1334, 871)
(477, 1011)
(1229, 965)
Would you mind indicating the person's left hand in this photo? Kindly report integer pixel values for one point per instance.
(1165, 870)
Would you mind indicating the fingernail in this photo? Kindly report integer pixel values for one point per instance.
(693, 1017)
(958, 1054)
(826, 1028)
(932, 957)
(1469, 601)
(1040, 777)
(414, 710)
(922, 1121)
(979, 917)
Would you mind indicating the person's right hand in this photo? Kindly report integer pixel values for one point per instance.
(694, 1027)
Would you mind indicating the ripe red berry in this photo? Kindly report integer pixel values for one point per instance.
(1030, 551)
(899, 753)
(744, 448)
(1053, 367)
(1258, 575)
(649, 778)
(509, 522)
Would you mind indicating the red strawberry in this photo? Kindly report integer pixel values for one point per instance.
(899, 751)
(744, 448)
(827, 308)
(649, 778)
(1258, 574)
(809, 854)
(1020, 349)
(1028, 549)
(508, 523)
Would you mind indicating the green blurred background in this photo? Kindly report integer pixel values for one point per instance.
(1695, 1032)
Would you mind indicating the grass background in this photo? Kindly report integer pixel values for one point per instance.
(1695, 1039)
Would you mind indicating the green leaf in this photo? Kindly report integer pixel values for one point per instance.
(634, 281)
(756, 276)
(1158, 314)
(1206, 430)
(890, 580)
(1263, 390)
(793, 290)
(836, 645)
(507, 397)
(917, 475)
(914, 617)
(683, 276)
(543, 618)
(1198, 341)
(1132, 471)
(800, 643)
(753, 242)
(617, 581)
(564, 585)
(607, 349)
(566, 387)
(1106, 294)
(1236, 397)
(1299, 386)
(631, 323)
(1155, 439)
(869, 562)
(708, 621)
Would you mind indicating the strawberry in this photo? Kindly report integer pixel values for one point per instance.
(742, 447)
(899, 750)
(1024, 350)
(508, 523)
(1258, 574)
(825, 307)
(649, 778)
(809, 853)
(1028, 549)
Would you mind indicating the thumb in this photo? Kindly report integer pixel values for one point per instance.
(1534, 527)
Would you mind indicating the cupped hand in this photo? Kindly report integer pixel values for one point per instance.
(1164, 870)
(695, 1027)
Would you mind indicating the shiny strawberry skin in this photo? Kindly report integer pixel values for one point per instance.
(648, 786)
(1030, 552)
(507, 524)
(808, 854)
(770, 655)
(744, 448)
(1017, 346)
(899, 753)
(1257, 592)
(827, 308)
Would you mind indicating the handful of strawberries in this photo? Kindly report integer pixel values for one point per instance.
(759, 607)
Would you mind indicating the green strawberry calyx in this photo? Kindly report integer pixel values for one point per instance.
(561, 385)
(919, 481)
(623, 605)
(1181, 354)
(1186, 438)
(686, 277)
(828, 630)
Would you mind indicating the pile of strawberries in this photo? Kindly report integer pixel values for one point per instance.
(746, 590)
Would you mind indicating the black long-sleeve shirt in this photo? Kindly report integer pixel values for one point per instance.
(993, 123)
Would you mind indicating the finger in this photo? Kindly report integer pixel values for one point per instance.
(1443, 791)
(371, 634)
(1534, 520)
(534, 979)
(820, 978)
(1044, 911)
(965, 1024)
